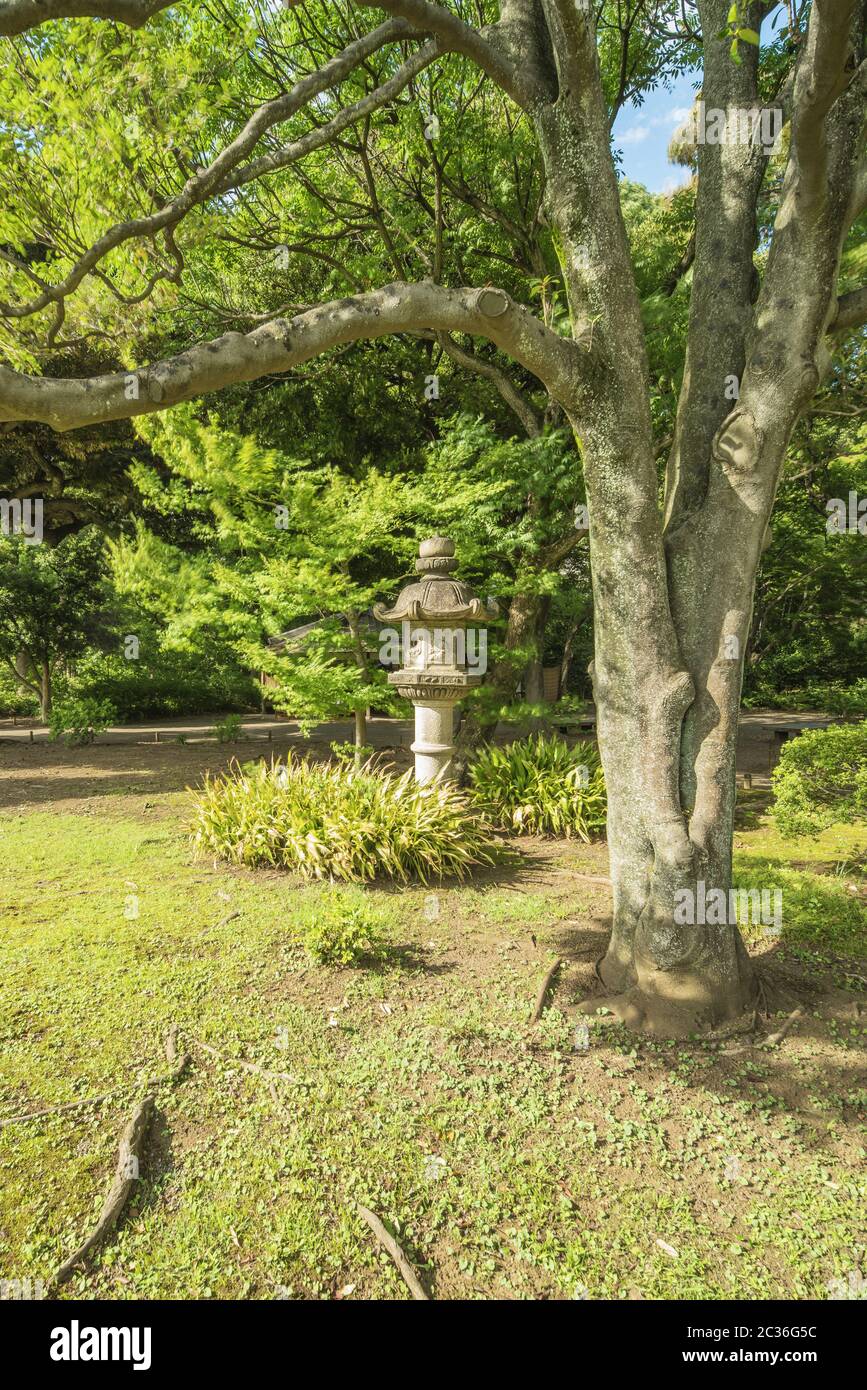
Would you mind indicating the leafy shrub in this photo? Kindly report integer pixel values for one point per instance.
(78, 721)
(162, 684)
(14, 701)
(333, 821)
(343, 931)
(821, 779)
(228, 730)
(542, 786)
(832, 697)
(349, 753)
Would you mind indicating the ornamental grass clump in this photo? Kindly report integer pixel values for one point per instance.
(542, 786)
(329, 821)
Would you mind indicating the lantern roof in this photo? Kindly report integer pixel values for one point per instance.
(437, 597)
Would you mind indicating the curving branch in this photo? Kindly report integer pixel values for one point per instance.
(17, 16)
(458, 37)
(514, 398)
(324, 135)
(281, 344)
(208, 182)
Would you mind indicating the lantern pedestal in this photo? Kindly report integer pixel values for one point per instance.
(434, 745)
(434, 697)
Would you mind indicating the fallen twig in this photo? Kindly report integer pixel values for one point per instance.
(774, 1039)
(223, 922)
(543, 991)
(126, 1173)
(60, 1109)
(247, 1066)
(388, 1242)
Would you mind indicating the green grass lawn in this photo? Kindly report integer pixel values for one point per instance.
(509, 1164)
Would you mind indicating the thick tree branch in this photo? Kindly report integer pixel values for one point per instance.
(824, 71)
(456, 37)
(17, 16)
(851, 312)
(730, 177)
(281, 344)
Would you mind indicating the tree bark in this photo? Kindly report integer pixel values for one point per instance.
(45, 692)
(22, 667)
(360, 735)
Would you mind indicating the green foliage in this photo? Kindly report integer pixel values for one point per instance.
(295, 546)
(821, 779)
(163, 682)
(78, 721)
(344, 930)
(831, 697)
(542, 786)
(351, 752)
(13, 700)
(228, 730)
(819, 910)
(55, 602)
(327, 821)
(808, 625)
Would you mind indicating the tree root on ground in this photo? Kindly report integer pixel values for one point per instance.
(543, 993)
(388, 1242)
(126, 1175)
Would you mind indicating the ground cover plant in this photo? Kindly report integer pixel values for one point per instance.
(566, 1161)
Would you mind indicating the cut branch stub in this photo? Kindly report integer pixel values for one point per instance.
(491, 302)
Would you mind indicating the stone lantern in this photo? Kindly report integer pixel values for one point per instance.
(443, 651)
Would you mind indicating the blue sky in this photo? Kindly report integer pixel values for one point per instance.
(642, 133)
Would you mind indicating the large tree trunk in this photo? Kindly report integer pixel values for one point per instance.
(663, 975)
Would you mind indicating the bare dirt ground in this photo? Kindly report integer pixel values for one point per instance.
(135, 758)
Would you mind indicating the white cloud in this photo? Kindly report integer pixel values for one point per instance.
(633, 135)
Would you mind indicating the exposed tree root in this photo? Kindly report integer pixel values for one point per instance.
(776, 1038)
(388, 1242)
(179, 1061)
(59, 1109)
(543, 993)
(247, 1066)
(126, 1174)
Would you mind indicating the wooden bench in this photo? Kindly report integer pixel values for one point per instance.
(584, 723)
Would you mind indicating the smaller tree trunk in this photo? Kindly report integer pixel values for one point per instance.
(23, 667)
(45, 695)
(360, 735)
